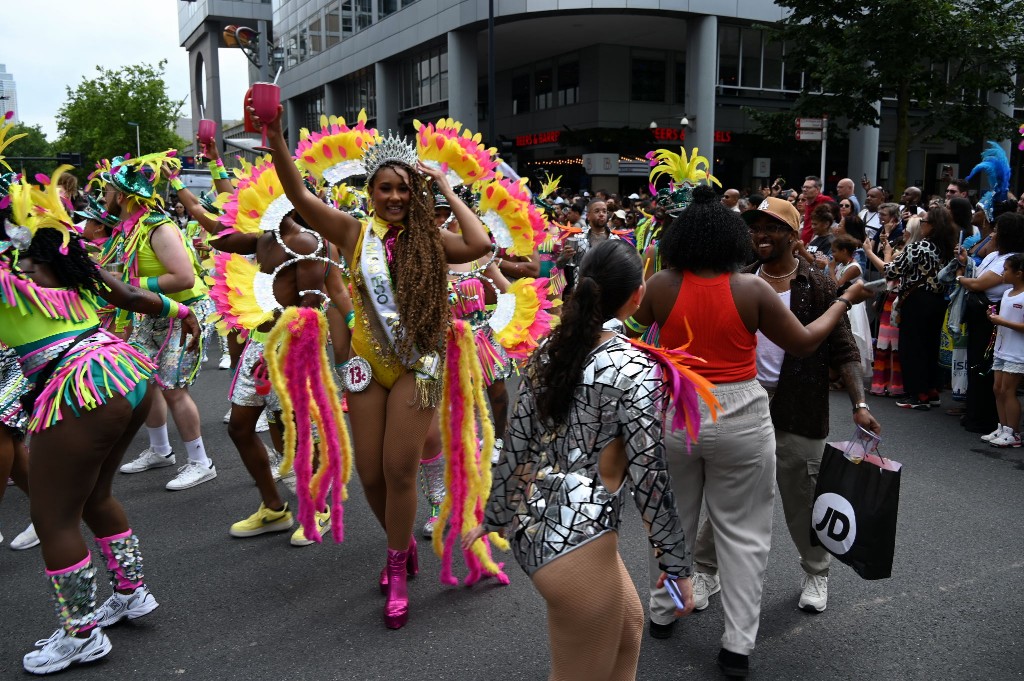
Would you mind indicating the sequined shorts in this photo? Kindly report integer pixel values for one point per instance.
(158, 338)
(12, 386)
(243, 386)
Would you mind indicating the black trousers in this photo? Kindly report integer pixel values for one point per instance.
(981, 416)
(921, 315)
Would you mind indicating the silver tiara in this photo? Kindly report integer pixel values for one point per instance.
(390, 148)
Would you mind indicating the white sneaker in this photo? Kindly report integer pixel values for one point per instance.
(227, 416)
(206, 358)
(261, 423)
(994, 434)
(275, 457)
(813, 593)
(26, 540)
(146, 460)
(119, 606)
(1006, 439)
(225, 362)
(704, 587)
(191, 474)
(60, 651)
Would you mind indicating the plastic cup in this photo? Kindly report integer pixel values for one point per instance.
(207, 130)
(266, 97)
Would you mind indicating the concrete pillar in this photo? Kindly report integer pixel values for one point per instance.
(293, 111)
(1002, 103)
(701, 78)
(205, 56)
(462, 79)
(386, 76)
(864, 156)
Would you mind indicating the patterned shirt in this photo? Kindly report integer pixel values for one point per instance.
(917, 265)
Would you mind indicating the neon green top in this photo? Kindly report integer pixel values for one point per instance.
(150, 266)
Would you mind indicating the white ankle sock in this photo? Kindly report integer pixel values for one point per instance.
(197, 452)
(158, 441)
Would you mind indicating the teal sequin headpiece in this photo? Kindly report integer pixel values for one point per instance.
(97, 212)
(675, 200)
(139, 176)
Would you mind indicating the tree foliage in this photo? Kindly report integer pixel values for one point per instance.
(941, 61)
(33, 144)
(94, 120)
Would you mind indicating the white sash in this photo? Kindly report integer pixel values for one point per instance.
(376, 275)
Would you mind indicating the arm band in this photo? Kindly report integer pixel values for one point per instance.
(151, 284)
(350, 319)
(634, 326)
(176, 184)
(217, 170)
(183, 311)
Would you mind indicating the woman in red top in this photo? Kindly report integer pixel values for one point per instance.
(701, 298)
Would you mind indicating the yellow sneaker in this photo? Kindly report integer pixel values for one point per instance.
(323, 523)
(262, 521)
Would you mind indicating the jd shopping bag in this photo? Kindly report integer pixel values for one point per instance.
(855, 506)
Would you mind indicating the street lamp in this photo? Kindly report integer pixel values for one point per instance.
(138, 147)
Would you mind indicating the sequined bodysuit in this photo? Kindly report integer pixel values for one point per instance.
(547, 490)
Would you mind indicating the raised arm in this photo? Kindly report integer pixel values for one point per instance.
(335, 225)
(474, 241)
(196, 210)
(221, 183)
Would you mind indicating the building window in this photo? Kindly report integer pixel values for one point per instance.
(291, 48)
(543, 88)
(346, 19)
(648, 78)
(423, 79)
(568, 83)
(750, 59)
(363, 14)
(332, 27)
(729, 56)
(679, 80)
(359, 92)
(313, 108)
(792, 77)
(314, 38)
(520, 93)
(386, 7)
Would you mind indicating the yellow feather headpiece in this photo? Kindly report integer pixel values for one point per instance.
(258, 203)
(6, 141)
(38, 207)
(336, 151)
(683, 171)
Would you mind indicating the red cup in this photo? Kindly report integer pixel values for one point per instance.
(207, 130)
(266, 97)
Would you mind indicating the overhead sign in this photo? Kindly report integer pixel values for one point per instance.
(810, 123)
(550, 137)
(808, 135)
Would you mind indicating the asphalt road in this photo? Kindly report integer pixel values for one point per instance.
(254, 609)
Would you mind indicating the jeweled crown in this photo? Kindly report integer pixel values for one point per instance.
(390, 148)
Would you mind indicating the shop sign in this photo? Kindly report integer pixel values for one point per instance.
(550, 137)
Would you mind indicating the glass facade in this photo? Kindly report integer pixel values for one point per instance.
(749, 62)
(358, 92)
(423, 78)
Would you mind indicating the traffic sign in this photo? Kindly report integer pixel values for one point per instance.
(810, 123)
(808, 135)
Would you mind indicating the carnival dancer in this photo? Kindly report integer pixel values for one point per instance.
(589, 419)
(398, 261)
(290, 270)
(154, 256)
(89, 398)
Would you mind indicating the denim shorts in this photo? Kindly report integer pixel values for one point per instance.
(1007, 366)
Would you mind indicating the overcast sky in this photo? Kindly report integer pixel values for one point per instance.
(47, 53)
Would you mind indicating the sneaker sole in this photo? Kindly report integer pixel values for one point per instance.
(277, 526)
(178, 488)
(147, 606)
(1012, 445)
(15, 546)
(306, 542)
(160, 464)
(807, 607)
(101, 652)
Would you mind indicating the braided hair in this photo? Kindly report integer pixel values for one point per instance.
(421, 284)
(609, 274)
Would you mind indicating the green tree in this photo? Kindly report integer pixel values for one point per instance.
(95, 119)
(33, 145)
(940, 60)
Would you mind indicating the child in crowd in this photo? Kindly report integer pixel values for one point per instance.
(1008, 360)
(846, 270)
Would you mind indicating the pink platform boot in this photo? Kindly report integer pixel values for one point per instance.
(396, 609)
(412, 566)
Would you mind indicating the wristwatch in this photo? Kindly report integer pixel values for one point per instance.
(861, 405)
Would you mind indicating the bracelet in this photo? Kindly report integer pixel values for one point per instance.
(151, 284)
(350, 319)
(176, 184)
(182, 311)
(844, 301)
(861, 405)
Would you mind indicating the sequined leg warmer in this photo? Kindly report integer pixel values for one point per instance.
(124, 562)
(433, 479)
(75, 588)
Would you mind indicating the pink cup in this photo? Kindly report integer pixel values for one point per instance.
(266, 97)
(207, 130)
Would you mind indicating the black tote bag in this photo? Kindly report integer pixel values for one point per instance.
(855, 511)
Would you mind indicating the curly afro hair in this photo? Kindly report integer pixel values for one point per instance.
(706, 236)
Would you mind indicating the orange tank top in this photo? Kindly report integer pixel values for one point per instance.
(719, 335)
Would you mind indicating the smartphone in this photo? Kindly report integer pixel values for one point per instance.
(673, 591)
(864, 178)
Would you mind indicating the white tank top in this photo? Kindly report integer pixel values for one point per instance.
(769, 355)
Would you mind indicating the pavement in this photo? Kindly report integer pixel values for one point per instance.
(258, 608)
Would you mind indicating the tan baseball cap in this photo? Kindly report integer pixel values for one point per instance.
(780, 209)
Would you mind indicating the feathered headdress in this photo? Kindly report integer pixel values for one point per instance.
(506, 207)
(258, 204)
(336, 151)
(139, 176)
(996, 167)
(99, 177)
(6, 141)
(685, 173)
(463, 157)
(34, 208)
